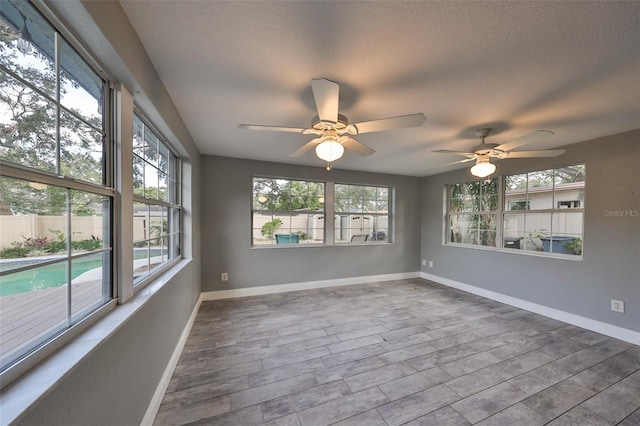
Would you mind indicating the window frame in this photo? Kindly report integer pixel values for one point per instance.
(481, 212)
(328, 212)
(49, 342)
(291, 213)
(552, 211)
(503, 215)
(174, 209)
(389, 237)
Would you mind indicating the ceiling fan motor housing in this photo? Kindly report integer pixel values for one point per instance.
(483, 133)
(318, 124)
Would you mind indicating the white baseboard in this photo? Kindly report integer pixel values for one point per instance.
(309, 285)
(156, 400)
(577, 320)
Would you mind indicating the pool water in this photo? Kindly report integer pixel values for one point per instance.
(46, 276)
(55, 275)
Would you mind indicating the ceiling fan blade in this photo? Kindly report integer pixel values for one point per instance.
(306, 147)
(444, 166)
(271, 128)
(326, 94)
(412, 120)
(534, 154)
(355, 146)
(538, 135)
(448, 151)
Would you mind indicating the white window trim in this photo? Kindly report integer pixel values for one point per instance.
(391, 215)
(329, 217)
(499, 231)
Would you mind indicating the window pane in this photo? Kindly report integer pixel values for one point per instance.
(81, 150)
(35, 223)
(151, 182)
(88, 285)
(156, 221)
(569, 187)
(515, 193)
(487, 238)
(88, 225)
(34, 306)
(141, 257)
(140, 222)
(163, 182)
(138, 137)
(27, 121)
(157, 249)
(21, 24)
(570, 174)
(567, 233)
(513, 231)
(163, 158)
(138, 175)
(174, 228)
(540, 190)
(81, 88)
(489, 195)
(151, 143)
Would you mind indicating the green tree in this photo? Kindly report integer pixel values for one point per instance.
(360, 199)
(287, 195)
(28, 134)
(479, 199)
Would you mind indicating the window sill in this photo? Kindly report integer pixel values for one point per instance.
(286, 246)
(543, 254)
(34, 385)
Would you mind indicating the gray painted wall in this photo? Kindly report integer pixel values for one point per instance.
(610, 268)
(226, 230)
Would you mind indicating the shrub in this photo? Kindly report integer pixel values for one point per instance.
(37, 242)
(270, 228)
(16, 251)
(86, 245)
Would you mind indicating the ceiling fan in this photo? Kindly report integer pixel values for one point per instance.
(484, 151)
(333, 130)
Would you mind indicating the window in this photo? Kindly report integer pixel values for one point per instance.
(473, 213)
(56, 189)
(156, 209)
(546, 225)
(541, 211)
(361, 213)
(573, 204)
(519, 205)
(287, 211)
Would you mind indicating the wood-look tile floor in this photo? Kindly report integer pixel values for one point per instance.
(400, 352)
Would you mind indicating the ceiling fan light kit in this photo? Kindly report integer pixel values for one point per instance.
(329, 150)
(334, 130)
(483, 167)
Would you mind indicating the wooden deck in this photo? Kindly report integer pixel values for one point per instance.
(25, 317)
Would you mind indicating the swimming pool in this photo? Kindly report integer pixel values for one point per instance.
(55, 275)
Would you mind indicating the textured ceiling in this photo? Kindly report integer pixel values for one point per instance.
(570, 67)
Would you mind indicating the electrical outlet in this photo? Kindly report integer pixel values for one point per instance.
(424, 262)
(224, 276)
(617, 305)
(431, 264)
